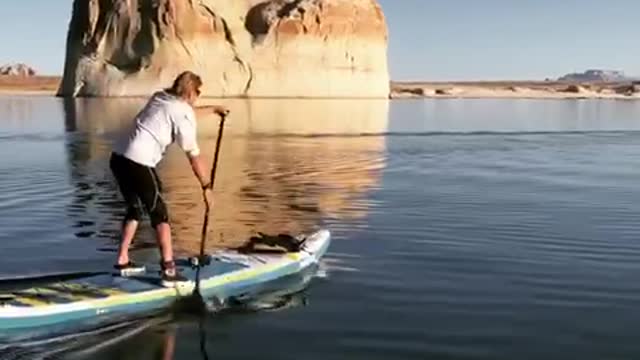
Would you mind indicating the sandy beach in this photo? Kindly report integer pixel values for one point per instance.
(29, 85)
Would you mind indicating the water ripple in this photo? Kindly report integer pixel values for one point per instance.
(488, 230)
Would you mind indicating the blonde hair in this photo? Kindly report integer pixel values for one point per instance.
(184, 84)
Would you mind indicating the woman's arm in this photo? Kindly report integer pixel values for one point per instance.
(199, 170)
(208, 109)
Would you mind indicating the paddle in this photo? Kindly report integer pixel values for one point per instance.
(196, 293)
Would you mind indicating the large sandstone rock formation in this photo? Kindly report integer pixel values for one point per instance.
(279, 48)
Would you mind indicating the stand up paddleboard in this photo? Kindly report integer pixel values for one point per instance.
(102, 299)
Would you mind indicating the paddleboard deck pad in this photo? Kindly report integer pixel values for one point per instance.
(105, 298)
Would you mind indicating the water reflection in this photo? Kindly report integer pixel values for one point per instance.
(519, 116)
(285, 165)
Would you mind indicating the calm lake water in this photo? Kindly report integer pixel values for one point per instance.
(463, 229)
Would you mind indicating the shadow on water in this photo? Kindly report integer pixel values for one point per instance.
(161, 332)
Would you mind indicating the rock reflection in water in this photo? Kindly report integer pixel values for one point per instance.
(284, 166)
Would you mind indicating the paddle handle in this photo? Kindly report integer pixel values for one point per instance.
(223, 117)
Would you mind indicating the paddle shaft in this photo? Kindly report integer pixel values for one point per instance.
(205, 226)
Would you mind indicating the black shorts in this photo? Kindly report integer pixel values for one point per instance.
(141, 189)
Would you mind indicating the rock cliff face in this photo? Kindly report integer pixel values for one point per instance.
(277, 48)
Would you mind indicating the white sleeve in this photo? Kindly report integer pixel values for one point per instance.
(185, 133)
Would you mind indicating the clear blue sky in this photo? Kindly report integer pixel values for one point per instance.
(429, 39)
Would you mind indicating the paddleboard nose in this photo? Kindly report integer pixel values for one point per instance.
(315, 243)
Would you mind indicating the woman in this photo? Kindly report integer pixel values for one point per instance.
(168, 117)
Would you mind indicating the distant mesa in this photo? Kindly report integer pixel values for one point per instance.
(596, 76)
(241, 48)
(17, 69)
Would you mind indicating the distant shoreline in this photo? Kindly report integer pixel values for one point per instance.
(48, 85)
(29, 85)
(516, 90)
